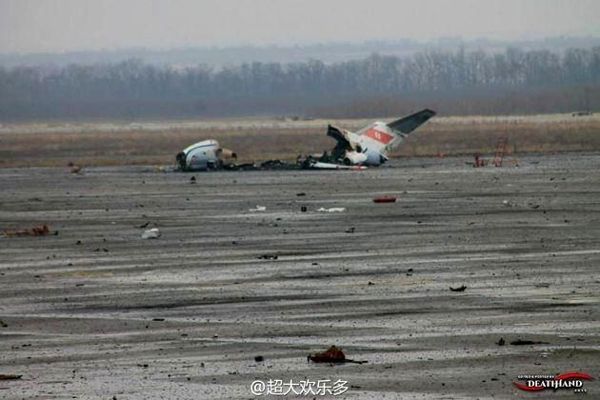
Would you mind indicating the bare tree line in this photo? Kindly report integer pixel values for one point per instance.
(460, 82)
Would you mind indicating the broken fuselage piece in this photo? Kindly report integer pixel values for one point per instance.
(205, 155)
(371, 145)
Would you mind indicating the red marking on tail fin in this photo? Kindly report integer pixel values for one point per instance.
(380, 136)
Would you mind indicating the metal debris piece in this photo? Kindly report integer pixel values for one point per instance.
(9, 377)
(333, 355)
(332, 210)
(153, 233)
(521, 342)
(75, 169)
(275, 164)
(39, 230)
(458, 289)
(258, 209)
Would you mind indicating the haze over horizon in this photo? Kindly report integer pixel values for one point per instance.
(56, 26)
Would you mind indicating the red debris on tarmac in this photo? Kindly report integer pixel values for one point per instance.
(39, 230)
(384, 199)
(333, 355)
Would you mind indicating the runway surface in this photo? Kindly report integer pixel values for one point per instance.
(97, 312)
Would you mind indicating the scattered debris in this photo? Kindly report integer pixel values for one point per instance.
(274, 164)
(75, 169)
(458, 289)
(158, 319)
(39, 230)
(478, 162)
(153, 233)
(3, 324)
(332, 210)
(259, 359)
(258, 209)
(268, 257)
(9, 377)
(353, 151)
(303, 209)
(521, 342)
(501, 150)
(192, 180)
(501, 342)
(301, 194)
(333, 355)
(350, 230)
(384, 199)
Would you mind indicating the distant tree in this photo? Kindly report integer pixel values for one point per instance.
(462, 81)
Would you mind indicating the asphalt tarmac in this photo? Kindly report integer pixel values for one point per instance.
(96, 312)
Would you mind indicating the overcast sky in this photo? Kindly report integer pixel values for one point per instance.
(65, 25)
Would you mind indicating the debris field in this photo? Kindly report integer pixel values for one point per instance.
(244, 277)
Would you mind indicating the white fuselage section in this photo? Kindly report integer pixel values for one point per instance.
(202, 155)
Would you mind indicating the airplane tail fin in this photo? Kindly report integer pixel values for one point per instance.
(408, 124)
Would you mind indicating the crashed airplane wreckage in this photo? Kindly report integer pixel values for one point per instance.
(354, 150)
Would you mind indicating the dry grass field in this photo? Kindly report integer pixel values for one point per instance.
(257, 139)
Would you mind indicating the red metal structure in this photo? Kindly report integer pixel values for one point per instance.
(501, 146)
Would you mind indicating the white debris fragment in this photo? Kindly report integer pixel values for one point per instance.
(332, 210)
(153, 233)
(507, 203)
(258, 209)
